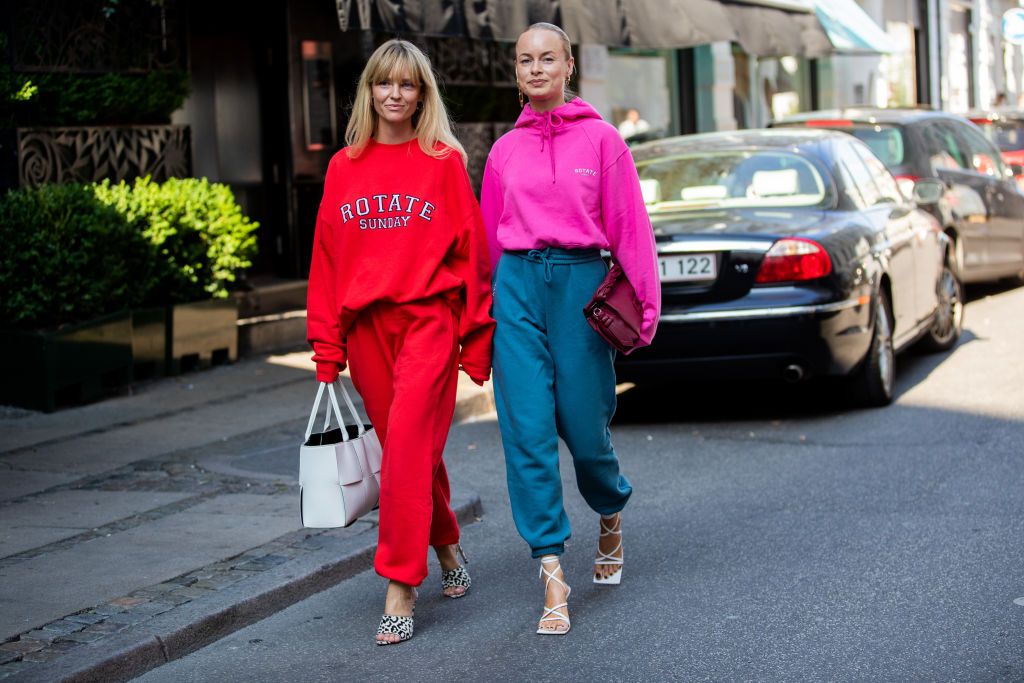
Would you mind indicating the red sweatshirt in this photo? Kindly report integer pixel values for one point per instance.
(397, 225)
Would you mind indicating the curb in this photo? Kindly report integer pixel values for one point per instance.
(192, 626)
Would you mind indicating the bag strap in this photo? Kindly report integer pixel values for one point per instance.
(352, 408)
(316, 407)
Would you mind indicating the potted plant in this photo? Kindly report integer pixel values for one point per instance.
(203, 242)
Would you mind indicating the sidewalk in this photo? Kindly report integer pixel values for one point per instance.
(145, 526)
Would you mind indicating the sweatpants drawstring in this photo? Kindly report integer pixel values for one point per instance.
(542, 255)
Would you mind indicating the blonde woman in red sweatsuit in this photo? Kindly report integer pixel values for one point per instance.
(399, 290)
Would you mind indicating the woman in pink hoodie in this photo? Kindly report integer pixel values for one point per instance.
(559, 188)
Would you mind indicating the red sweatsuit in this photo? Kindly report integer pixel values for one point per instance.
(399, 288)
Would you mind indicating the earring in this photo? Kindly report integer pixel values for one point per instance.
(521, 102)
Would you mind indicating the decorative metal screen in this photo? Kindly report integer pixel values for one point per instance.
(68, 155)
(478, 138)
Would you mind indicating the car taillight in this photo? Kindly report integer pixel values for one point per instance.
(794, 258)
(906, 183)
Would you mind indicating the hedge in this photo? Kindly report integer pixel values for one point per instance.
(69, 253)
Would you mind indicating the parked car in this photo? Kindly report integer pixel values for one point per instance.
(1006, 131)
(791, 254)
(982, 210)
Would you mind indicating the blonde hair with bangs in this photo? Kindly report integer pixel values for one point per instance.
(401, 59)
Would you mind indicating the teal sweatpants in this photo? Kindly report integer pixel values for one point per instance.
(553, 376)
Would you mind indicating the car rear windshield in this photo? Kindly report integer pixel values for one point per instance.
(729, 179)
(1007, 135)
(886, 141)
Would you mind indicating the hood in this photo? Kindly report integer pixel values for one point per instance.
(547, 124)
(573, 110)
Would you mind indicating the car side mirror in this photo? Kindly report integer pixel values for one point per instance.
(1016, 170)
(928, 191)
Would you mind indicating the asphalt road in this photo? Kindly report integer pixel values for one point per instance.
(773, 535)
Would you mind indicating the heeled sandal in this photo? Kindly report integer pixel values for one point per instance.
(396, 625)
(552, 613)
(615, 578)
(456, 578)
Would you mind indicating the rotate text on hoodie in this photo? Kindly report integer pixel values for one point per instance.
(395, 204)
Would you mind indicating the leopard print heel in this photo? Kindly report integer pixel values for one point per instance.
(456, 578)
(399, 626)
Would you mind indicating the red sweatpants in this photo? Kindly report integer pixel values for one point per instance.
(404, 361)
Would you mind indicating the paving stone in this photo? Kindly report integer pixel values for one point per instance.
(23, 645)
(106, 627)
(107, 609)
(7, 657)
(263, 563)
(127, 601)
(191, 593)
(81, 637)
(63, 627)
(154, 608)
(86, 618)
(14, 668)
(62, 645)
(39, 634)
(42, 656)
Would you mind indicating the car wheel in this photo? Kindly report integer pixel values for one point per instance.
(874, 381)
(949, 317)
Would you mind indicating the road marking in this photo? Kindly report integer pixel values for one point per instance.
(1019, 602)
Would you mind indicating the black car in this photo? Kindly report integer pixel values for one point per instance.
(791, 254)
(982, 210)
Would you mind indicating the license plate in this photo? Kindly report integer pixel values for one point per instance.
(687, 267)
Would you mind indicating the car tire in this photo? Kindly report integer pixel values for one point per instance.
(874, 381)
(949, 317)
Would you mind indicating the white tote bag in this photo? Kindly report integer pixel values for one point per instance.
(339, 469)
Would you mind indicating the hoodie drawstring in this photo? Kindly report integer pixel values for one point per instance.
(549, 121)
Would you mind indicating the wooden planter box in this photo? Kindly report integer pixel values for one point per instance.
(76, 364)
(149, 342)
(201, 334)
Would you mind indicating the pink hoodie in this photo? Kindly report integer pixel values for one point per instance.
(566, 179)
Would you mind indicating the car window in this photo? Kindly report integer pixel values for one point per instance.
(883, 179)
(943, 148)
(982, 154)
(885, 141)
(741, 178)
(859, 172)
(849, 185)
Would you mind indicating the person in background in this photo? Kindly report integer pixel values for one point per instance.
(557, 189)
(399, 289)
(633, 125)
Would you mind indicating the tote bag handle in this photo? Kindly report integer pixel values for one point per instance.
(334, 404)
(352, 408)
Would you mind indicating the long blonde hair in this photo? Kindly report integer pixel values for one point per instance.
(393, 60)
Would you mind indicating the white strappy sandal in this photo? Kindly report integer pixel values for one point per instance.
(552, 613)
(609, 558)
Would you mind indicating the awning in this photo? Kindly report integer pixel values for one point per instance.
(765, 31)
(850, 29)
(658, 24)
(765, 28)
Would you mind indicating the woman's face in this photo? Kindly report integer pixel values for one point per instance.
(395, 99)
(541, 65)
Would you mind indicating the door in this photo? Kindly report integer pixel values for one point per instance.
(926, 243)
(1005, 203)
(895, 246)
(965, 192)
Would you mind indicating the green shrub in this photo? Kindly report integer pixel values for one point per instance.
(65, 257)
(201, 236)
(69, 253)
